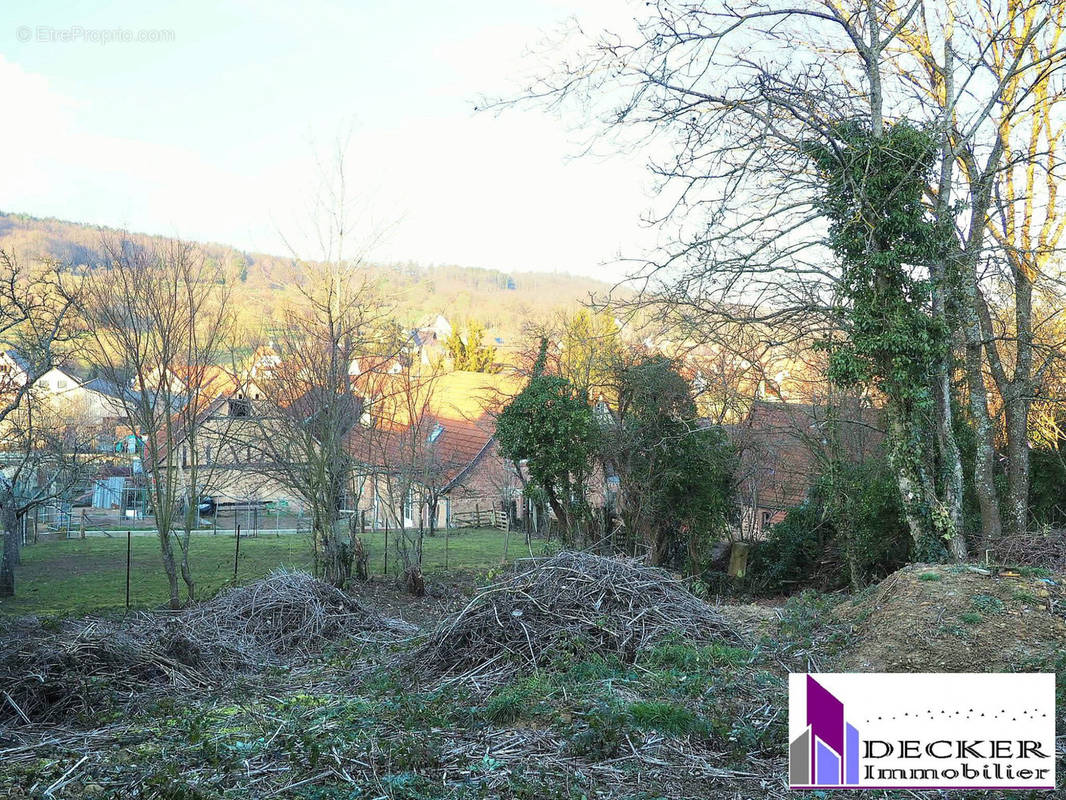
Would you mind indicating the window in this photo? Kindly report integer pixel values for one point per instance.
(434, 434)
(239, 407)
(61, 384)
(409, 508)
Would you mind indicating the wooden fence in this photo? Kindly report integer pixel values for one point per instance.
(481, 518)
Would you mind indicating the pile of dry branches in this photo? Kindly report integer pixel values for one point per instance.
(1039, 548)
(286, 613)
(84, 666)
(55, 671)
(572, 602)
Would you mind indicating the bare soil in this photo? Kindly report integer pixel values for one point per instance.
(938, 618)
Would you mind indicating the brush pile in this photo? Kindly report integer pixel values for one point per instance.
(84, 667)
(570, 603)
(1044, 548)
(285, 614)
(54, 671)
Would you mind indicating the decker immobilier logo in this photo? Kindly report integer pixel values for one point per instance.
(921, 731)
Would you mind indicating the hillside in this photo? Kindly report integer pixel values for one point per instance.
(504, 302)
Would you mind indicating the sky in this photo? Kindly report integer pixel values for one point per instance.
(222, 131)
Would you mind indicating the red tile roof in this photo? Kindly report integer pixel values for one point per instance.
(447, 456)
(784, 448)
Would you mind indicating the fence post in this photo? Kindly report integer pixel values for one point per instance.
(477, 515)
(386, 572)
(236, 553)
(129, 559)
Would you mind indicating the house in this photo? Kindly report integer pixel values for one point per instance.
(450, 463)
(16, 370)
(785, 447)
(264, 361)
(91, 407)
(446, 454)
(227, 454)
(207, 380)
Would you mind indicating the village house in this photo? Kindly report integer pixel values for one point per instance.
(94, 407)
(444, 460)
(784, 448)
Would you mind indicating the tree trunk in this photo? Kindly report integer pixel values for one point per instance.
(968, 305)
(186, 571)
(560, 514)
(951, 464)
(909, 482)
(1016, 410)
(660, 550)
(170, 568)
(334, 556)
(984, 477)
(1016, 400)
(7, 558)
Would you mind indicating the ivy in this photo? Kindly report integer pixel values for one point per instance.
(886, 243)
(884, 238)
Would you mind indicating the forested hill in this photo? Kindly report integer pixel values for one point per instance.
(503, 302)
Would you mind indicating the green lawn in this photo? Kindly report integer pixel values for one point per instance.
(83, 575)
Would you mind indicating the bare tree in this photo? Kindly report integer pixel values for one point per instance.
(46, 458)
(36, 321)
(399, 449)
(160, 323)
(301, 431)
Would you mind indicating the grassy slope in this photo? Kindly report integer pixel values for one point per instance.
(78, 576)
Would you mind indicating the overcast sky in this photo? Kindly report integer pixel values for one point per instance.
(211, 136)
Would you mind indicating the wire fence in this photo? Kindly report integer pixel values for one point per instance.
(61, 575)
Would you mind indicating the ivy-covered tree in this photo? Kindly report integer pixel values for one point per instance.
(887, 243)
(551, 430)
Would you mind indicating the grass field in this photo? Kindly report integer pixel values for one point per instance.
(77, 576)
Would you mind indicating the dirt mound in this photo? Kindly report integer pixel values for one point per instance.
(285, 613)
(572, 602)
(937, 618)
